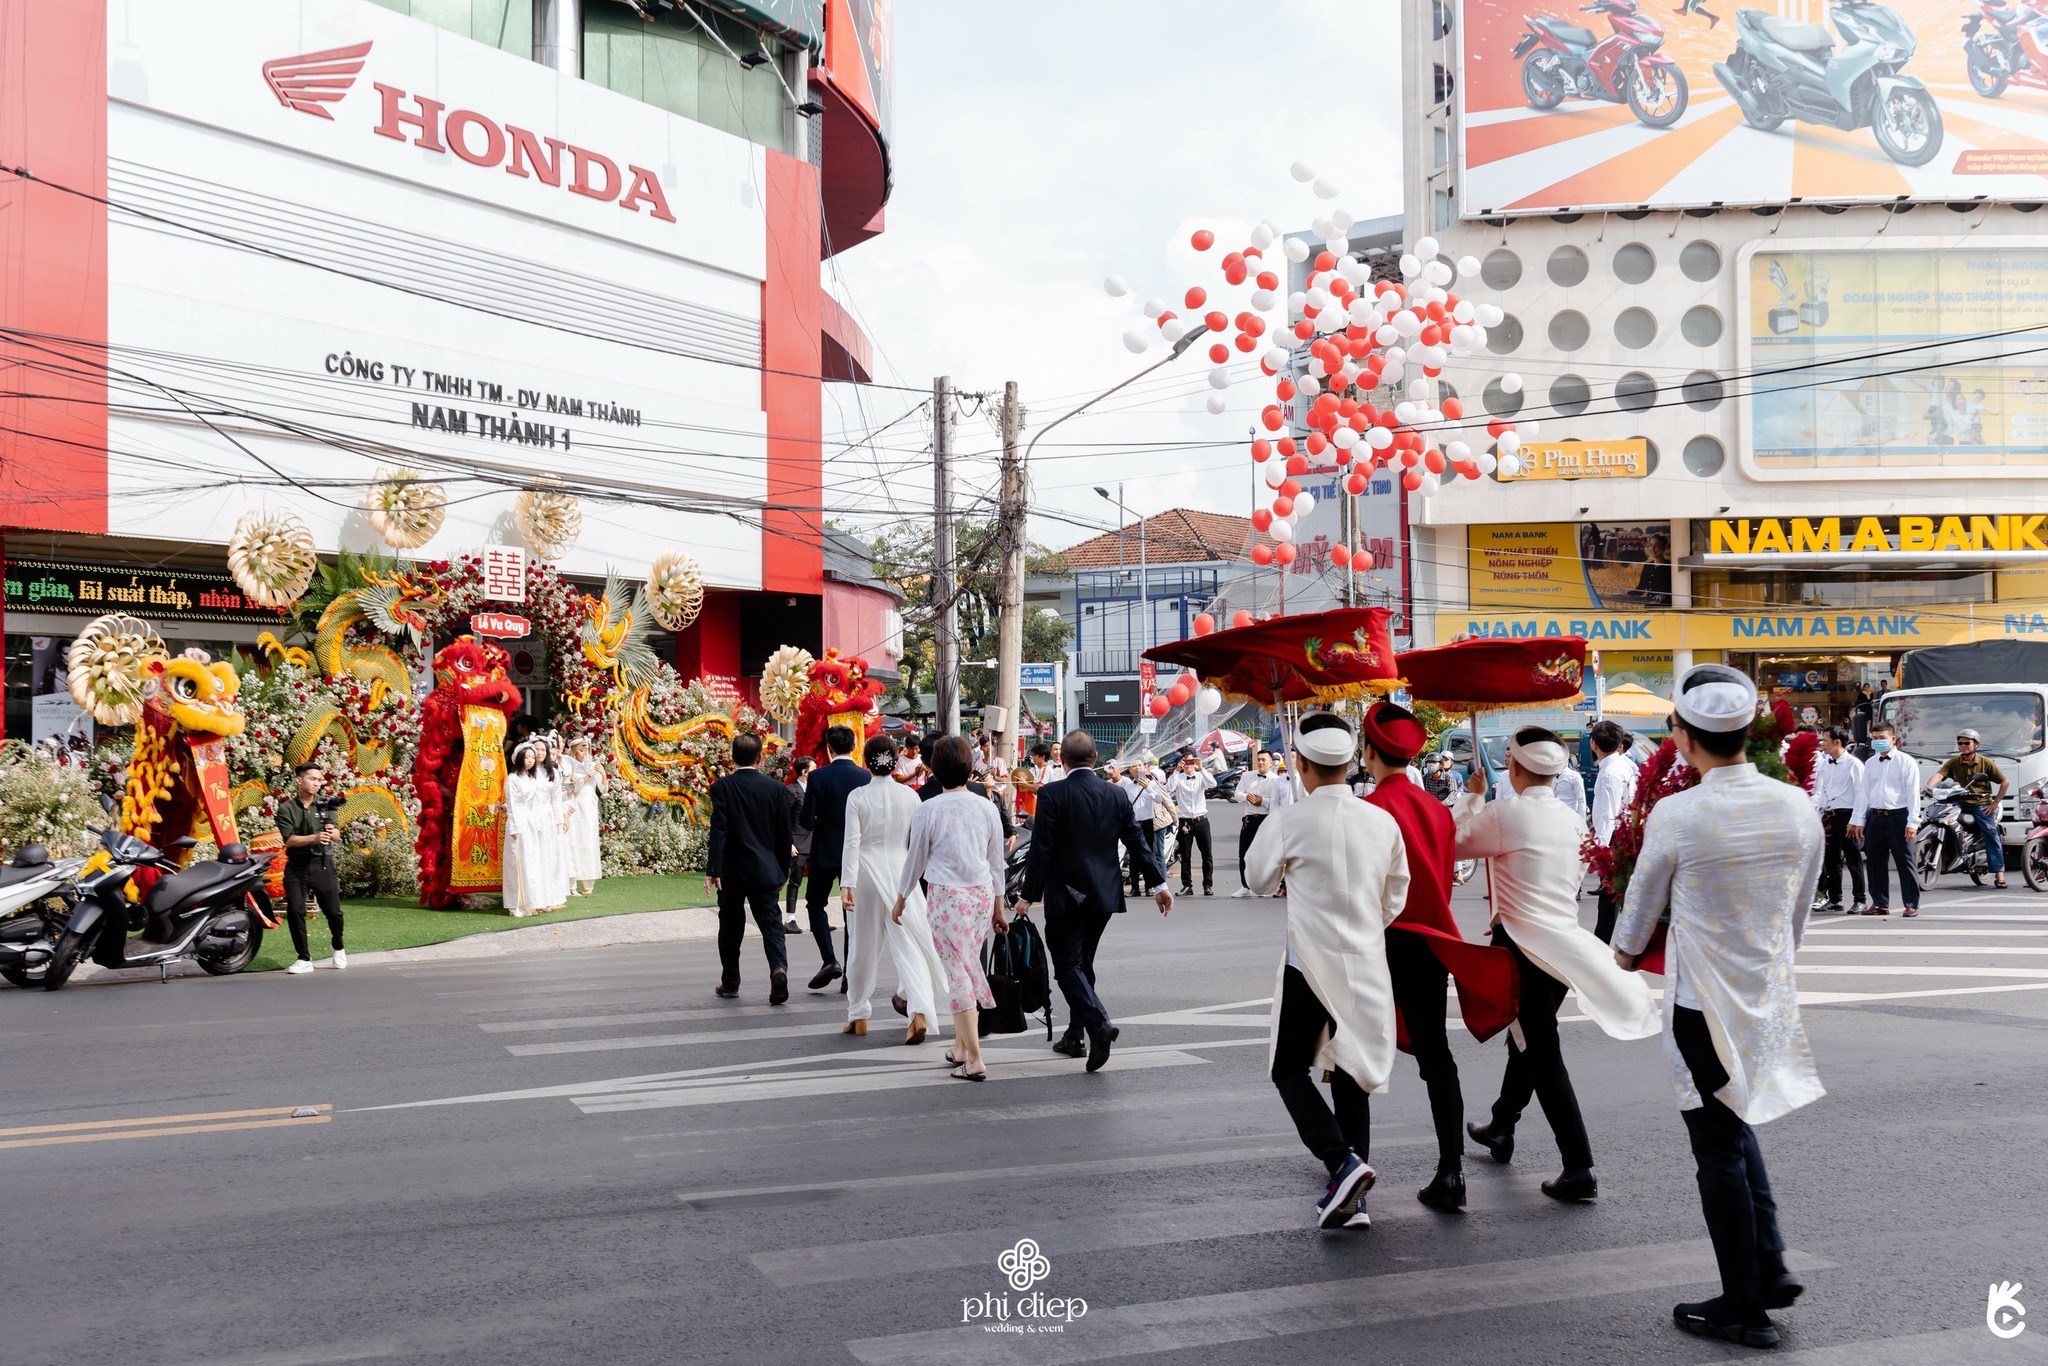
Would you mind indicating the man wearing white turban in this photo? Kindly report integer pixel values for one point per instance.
(1532, 844)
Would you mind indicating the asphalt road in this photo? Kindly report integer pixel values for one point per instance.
(583, 1156)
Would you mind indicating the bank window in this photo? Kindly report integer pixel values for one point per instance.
(503, 24)
(673, 63)
(1751, 590)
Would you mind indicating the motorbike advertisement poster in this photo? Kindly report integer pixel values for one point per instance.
(1665, 104)
(1894, 357)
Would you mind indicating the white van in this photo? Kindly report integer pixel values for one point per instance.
(2012, 718)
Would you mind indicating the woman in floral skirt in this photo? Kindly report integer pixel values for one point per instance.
(956, 848)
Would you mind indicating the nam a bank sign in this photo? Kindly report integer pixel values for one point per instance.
(1821, 632)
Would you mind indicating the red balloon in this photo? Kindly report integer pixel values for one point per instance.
(1246, 343)
(1262, 519)
(1356, 484)
(1434, 459)
(1255, 325)
(1284, 390)
(1262, 554)
(1262, 449)
(1160, 706)
(1203, 239)
(1494, 429)
(1219, 353)
(1216, 321)
(1163, 319)
(1431, 336)
(1267, 280)
(1181, 691)
(1298, 464)
(1316, 443)
(1304, 329)
(1271, 417)
(1363, 558)
(1325, 261)
(1286, 446)
(1197, 296)
(1283, 506)
(1235, 274)
(1340, 555)
(1242, 616)
(1285, 552)
(1454, 409)
(1204, 623)
(1411, 481)
(1290, 488)
(1343, 455)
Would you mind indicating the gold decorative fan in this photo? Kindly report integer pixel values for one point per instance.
(675, 590)
(784, 681)
(104, 667)
(272, 557)
(405, 509)
(550, 521)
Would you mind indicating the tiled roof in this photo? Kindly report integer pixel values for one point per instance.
(1176, 536)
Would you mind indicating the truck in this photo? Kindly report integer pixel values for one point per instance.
(2011, 720)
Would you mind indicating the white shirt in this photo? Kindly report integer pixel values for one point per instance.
(1570, 789)
(1837, 782)
(1891, 782)
(1144, 797)
(1735, 860)
(956, 840)
(1274, 790)
(1190, 793)
(1614, 787)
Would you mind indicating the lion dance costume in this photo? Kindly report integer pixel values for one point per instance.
(841, 694)
(180, 771)
(459, 774)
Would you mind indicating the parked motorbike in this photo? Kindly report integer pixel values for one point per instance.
(1945, 844)
(33, 912)
(2034, 853)
(1226, 785)
(2013, 48)
(212, 913)
(1783, 70)
(1561, 60)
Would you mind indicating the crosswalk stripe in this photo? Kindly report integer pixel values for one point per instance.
(1912, 970)
(1840, 998)
(1921, 1349)
(2031, 950)
(1879, 932)
(1255, 1315)
(820, 1030)
(658, 1017)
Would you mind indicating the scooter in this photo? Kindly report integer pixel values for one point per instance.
(33, 912)
(1561, 61)
(1945, 844)
(2013, 49)
(1782, 70)
(212, 913)
(2034, 853)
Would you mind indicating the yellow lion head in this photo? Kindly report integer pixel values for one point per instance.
(199, 696)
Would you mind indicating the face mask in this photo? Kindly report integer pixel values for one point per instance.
(1881, 746)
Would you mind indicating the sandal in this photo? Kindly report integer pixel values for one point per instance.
(952, 1061)
(961, 1073)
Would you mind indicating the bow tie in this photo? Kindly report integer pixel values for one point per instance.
(1884, 758)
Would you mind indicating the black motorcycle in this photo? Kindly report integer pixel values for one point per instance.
(1945, 843)
(33, 911)
(1226, 785)
(212, 913)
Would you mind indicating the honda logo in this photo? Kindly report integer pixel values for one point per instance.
(311, 82)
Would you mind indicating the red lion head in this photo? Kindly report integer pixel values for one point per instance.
(477, 670)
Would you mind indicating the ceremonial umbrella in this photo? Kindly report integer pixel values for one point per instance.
(1316, 657)
(1473, 676)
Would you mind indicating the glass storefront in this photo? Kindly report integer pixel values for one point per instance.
(1751, 589)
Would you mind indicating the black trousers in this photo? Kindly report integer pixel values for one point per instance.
(1071, 937)
(1735, 1190)
(1537, 1068)
(795, 886)
(1192, 832)
(1607, 912)
(817, 893)
(1840, 850)
(317, 879)
(1884, 842)
(1419, 987)
(1326, 1133)
(1247, 831)
(733, 904)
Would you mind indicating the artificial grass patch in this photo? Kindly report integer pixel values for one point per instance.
(399, 923)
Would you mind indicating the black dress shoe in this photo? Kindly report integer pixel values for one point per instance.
(1447, 1192)
(1071, 1047)
(1579, 1185)
(1500, 1147)
(1099, 1041)
(1187, 891)
(825, 976)
(902, 1006)
(725, 991)
(778, 987)
(1781, 1287)
(1717, 1318)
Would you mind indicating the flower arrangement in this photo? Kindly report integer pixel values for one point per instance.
(784, 681)
(43, 801)
(675, 588)
(549, 520)
(104, 667)
(405, 509)
(272, 557)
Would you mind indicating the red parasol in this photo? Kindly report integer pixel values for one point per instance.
(1489, 675)
(1318, 657)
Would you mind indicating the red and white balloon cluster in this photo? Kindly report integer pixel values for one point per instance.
(1368, 384)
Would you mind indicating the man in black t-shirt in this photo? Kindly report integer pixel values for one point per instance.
(309, 839)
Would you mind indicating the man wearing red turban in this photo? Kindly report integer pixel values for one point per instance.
(1424, 945)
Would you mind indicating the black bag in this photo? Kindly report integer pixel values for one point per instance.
(1034, 965)
(999, 963)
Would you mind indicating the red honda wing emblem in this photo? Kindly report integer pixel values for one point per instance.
(311, 82)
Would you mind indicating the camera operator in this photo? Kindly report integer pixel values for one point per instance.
(306, 820)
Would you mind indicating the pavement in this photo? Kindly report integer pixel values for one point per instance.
(583, 1155)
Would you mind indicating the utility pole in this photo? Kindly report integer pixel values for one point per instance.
(945, 594)
(1010, 623)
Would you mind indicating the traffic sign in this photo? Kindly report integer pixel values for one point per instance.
(1038, 675)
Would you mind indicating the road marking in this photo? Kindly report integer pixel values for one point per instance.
(657, 1017)
(2029, 949)
(819, 1030)
(1287, 1310)
(163, 1126)
(1841, 998)
(1880, 931)
(1910, 970)
(1921, 1349)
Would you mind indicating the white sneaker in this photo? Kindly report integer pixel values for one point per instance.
(341, 958)
(303, 965)
(1241, 893)
(1360, 1219)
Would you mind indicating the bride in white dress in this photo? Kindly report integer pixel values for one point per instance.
(582, 781)
(533, 827)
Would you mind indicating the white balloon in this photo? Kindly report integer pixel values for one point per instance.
(1282, 531)
(1219, 377)
(1275, 356)
(1430, 484)
(1154, 307)
(1305, 504)
(1395, 352)
(1303, 171)
(1509, 466)
(1318, 299)
(1262, 237)
(1427, 248)
(1137, 339)
(1393, 372)
(1209, 700)
(1341, 218)
(1529, 428)
(1336, 245)
(1175, 329)
(1379, 438)
(1345, 438)
(1264, 299)
(1509, 443)
(1407, 323)
(1404, 412)
(1274, 472)
(1297, 250)
(1418, 387)
(1360, 313)
(1217, 403)
(1468, 266)
(1465, 312)
(1330, 319)
(1487, 464)
(1511, 384)
(1411, 265)
(1326, 188)
(1116, 287)
(1322, 227)
(1490, 315)
(1457, 450)
(1387, 335)
(1437, 273)
(1347, 375)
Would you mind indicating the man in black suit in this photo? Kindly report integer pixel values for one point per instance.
(824, 815)
(1073, 866)
(747, 863)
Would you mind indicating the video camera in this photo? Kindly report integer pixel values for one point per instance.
(328, 808)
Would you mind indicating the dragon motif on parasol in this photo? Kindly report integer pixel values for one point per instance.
(1359, 649)
(1562, 670)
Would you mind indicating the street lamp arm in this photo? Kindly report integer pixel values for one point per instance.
(1180, 348)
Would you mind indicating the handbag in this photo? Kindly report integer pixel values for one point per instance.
(1006, 984)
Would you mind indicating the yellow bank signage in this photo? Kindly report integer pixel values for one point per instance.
(1875, 535)
(1811, 631)
(1583, 460)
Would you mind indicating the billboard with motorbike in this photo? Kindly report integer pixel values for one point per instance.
(1618, 104)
